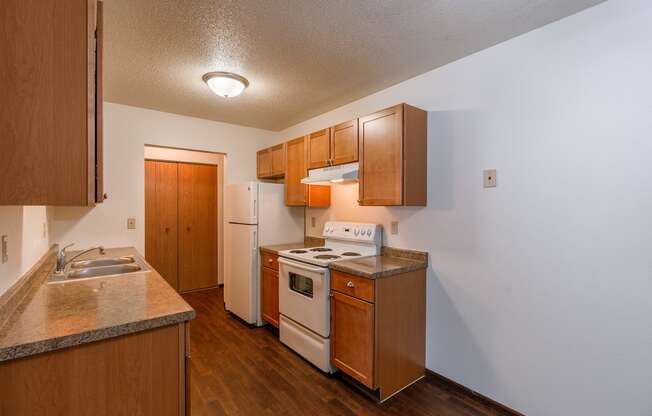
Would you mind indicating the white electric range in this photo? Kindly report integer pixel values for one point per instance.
(304, 287)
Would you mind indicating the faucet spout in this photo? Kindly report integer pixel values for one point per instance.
(62, 262)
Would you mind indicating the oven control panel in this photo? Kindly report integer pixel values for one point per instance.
(355, 231)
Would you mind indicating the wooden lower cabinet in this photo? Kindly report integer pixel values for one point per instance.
(144, 373)
(269, 278)
(378, 329)
(269, 285)
(352, 339)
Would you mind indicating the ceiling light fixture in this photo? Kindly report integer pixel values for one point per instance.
(226, 84)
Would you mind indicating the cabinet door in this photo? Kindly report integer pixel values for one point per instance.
(269, 278)
(352, 337)
(264, 163)
(319, 149)
(48, 109)
(381, 157)
(161, 218)
(344, 143)
(197, 226)
(278, 160)
(295, 170)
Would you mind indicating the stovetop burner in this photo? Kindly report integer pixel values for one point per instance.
(326, 257)
(351, 254)
(321, 249)
(298, 251)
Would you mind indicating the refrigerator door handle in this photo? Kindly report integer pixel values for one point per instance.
(254, 240)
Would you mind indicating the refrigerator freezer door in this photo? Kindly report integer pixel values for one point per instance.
(241, 271)
(241, 202)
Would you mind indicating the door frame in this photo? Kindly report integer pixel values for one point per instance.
(181, 155)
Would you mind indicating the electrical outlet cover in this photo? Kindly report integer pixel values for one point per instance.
(131, 223)
(489, 178)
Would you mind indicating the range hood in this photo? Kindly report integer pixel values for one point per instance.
(332, 174)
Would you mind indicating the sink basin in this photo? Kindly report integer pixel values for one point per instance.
(103, 271)
(83, 264)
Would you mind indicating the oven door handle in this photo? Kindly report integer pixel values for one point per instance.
(302, 266)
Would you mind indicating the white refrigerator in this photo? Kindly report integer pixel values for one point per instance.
(255, 215)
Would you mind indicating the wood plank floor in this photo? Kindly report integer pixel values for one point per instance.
(238, 370)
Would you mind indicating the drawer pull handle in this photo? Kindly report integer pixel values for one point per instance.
(350, 284)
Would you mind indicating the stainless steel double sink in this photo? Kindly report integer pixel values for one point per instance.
(100, 267)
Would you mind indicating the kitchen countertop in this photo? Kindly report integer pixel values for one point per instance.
(274, 249)
(391, 263)
(61, 315)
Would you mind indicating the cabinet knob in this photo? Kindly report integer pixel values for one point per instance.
(167, 229)
(269, 260)
(188, 228)
(350, 284)
(105, 196)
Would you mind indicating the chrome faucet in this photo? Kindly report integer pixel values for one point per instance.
(61, 256)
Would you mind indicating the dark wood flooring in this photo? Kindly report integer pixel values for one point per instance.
(238, 370)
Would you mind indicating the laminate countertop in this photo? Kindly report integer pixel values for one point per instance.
(308, 243)
(392, 262)
(61, 315)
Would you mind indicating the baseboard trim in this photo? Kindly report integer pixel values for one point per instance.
(458, 388)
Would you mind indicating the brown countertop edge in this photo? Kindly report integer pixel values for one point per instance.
(28, 289)
(13, 352)
(392, 262)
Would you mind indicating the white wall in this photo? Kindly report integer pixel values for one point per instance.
(126, 131)
(538, 290)
(27, 230)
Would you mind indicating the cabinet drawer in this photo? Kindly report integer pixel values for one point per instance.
(355, 286)
(269, 260)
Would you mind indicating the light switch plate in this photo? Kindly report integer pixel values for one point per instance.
(5, 244)
(313, 222)
(131, 223)
(489, 177)
(394, 227)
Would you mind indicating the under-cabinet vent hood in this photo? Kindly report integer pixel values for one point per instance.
(332, 174)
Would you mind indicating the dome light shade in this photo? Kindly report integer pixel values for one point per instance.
(226, 84)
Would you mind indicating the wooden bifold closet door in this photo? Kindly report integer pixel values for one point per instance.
(161, 186)
(197, 226)
(181, 223)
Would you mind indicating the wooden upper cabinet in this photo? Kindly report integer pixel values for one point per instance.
(333, 146)
(295, 191)
(319, 149)
(270, 162)
(393, 157)
(51, 93)
(344, 143)
(278, 160)
(264, 163)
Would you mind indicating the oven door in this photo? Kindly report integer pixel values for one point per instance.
(303, 295)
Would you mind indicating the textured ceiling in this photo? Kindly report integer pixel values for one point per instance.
(302, 57)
